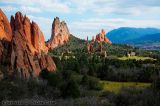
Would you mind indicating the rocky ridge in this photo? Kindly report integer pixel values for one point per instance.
(23, 52)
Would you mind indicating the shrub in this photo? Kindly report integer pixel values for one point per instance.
(71, 89)
(91, 83)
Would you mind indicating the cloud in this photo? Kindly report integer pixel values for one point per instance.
(28, 9)
(96, 14)
(8, 8)
(148, 3)
(99, 7)
(91, 27)
(115, 7)
(39, 5)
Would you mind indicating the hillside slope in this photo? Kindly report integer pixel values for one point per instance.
(73, 44)
(147, 38)
(77, 45)
(149, 42)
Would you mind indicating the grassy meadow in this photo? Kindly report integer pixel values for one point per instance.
(116, 86)
(135, 57)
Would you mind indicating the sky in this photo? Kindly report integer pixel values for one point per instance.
(87, 17)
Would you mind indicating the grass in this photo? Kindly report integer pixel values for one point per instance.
(116, 86)
(135, 57)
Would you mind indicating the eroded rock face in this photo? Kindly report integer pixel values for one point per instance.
(38, 39)
(5, 28)
(22, 48)
(22, 60)
(46, 63)
(32, 33)
(27, 29)
(60, 34)
(5, 36)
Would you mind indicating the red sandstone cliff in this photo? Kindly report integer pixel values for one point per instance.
(38, 39)
(31, 32)
(5, 28)
(22, 47)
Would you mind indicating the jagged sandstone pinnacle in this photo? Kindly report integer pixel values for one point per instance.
(60, 34)
(31, 31)
(22, 47)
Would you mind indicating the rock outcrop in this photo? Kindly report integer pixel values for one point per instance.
(22, 47)
(38, 39)
(31, 32)
(101, 37)
(60, 34)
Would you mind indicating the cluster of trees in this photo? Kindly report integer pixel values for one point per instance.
(69, 84)
(128, 70)
(117, 70)
(111, 69)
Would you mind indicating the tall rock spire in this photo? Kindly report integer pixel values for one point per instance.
(60, 34)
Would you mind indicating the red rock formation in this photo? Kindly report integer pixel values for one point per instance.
(93, 39)
(22, 60)
(22, 24)
(46, 62)
(89, 48)
(32, 33)
(38, 39)
(18, 22)
(5, 36)
(60, 34)
(27, 29)
(18, 46)
(101, 37)
(5, 28)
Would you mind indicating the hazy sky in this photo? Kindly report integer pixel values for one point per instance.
(87, 17)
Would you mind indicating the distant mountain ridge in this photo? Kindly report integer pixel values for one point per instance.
(126, 34)
(146, 38)
(148, 42)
